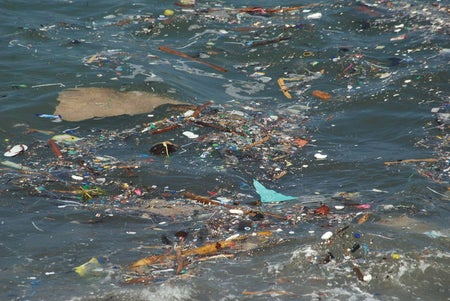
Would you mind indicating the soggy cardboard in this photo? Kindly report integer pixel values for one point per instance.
(86, 103)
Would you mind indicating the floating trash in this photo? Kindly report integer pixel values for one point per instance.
(320, 156)
(65, 138)
(87, 103)
(16, 150)
(327, 235)
(268, 195)
(190, 134)
(164, 148)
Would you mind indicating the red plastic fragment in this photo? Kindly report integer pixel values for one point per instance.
(323, 210)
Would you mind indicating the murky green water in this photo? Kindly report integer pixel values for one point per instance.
(385, 65)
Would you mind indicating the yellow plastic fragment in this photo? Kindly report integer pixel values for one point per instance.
(283, 88)
(83, 269)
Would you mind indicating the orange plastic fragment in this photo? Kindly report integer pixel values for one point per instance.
(364, 218)
(300, 142)
(321, 94)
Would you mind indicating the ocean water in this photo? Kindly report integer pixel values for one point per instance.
(385, 65)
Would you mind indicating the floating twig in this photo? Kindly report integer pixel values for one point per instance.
(55, 148)
(201, 199)
(411, 161)
(272, 293)
(164, 130)
(201, 108)
(258, 142)
(207, 249)
(267, 42)
(178, 53)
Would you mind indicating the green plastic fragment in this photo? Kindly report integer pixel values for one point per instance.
(268, 195)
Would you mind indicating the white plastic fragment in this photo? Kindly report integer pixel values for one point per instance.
(367, 277)
(435, 110)
(236, 211)
(320, 156)
(190, 134)
(15, 150)
(327, 235)
(339, 207)
(188, 113)
(77, 178)
(314, 16)
(232, 237)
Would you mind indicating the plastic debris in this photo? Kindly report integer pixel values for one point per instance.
(320, 156)
(65, 138)
(15, 165)
(327, 235)
(321, 94)
(92, 267)
(364, 218)
(168, 13)
(190, 134)
(314, 16)
(268, 195)
(15, 150)
(55, 118)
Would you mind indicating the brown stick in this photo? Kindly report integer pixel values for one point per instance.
(171, 51)
(411, 161)
(275, 10)
(55, 148)
(261, 141)
(218, 127)
(358, 273)
(208, 201)
(201, 199)
(201, 108)
(166, 129)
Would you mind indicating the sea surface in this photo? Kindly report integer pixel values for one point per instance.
(383, 70)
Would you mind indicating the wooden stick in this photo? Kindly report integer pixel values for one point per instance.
(171, 51)
(267, 42)
(411, 161)
(274, 10)
(204, 250)
(260, 293)
(201, 108)
(164, 130)
(201, 199)
(55, 148)
(261, 141)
